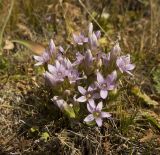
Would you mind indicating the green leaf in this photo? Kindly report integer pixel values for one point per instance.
(151, 119)
(4, 64)
(91, 124)
(33, 129)
(76, 107)
(69, 111)
(36, 48)
(136, 91)
(45, 136)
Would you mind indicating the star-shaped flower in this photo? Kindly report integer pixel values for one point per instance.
(106, 84)
(124, 64)
(87, 95)
(96, 113)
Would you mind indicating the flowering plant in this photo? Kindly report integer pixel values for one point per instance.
(83, 78)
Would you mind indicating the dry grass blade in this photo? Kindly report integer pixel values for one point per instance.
(5, 23)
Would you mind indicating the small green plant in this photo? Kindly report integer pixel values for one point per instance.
(84, 75)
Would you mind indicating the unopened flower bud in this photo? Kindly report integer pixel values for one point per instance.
(67, 92)
(115, 52)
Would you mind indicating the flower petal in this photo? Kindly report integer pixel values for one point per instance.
(38, 58)
(52, 46)
(99, 121)
(103, 93)
(82, 99)
(113, 76)
(52, 80)
(38, 64)
(82, 90)
(90, 109)
(51, 69)
(127, 58)
(100, 78)
(105, 115)
(90, 88)
(98, 34)
(89, 118)
(99, 106)
(57, 64)
(61, 49)
(111, 86)
(92, 104)
(119, 61)
(130, 67)
(90, 28)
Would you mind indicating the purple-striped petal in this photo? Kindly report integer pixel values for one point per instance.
(100, 78)
(130, 67)
(99, 121)
(82, 90)
(82, 99)
(38, 58)
(61, 49)
(105, 115)
(38, 64)
(98, 34)
(90, 109)
(99, 106)
(92, 104)
(103, 93)
(57, 64)
(89, 118)
(52, 46)
(51, 69)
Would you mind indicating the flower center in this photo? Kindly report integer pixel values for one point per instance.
(88, 95)
(96, 114)
(59, 73)
(104, 85)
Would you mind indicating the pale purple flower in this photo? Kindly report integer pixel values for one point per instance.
(52, 47)
(71, 72)
(67, 63)
(42, 59)
(111, 80)
(79, 59)
(124, 64)
(88, 58)
(60, 53)
(106, 84)
(93, 37)
(59, 102)
(87, 95)
(61, 49)
(105, 58)
(80, 39)
(96, 113)
(58, 71)
(50, 79)
(115, 51)
(46, 55)
(62, 69)
(98, 34)
(73, 75)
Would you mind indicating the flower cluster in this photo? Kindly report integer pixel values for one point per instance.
(85, 77)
